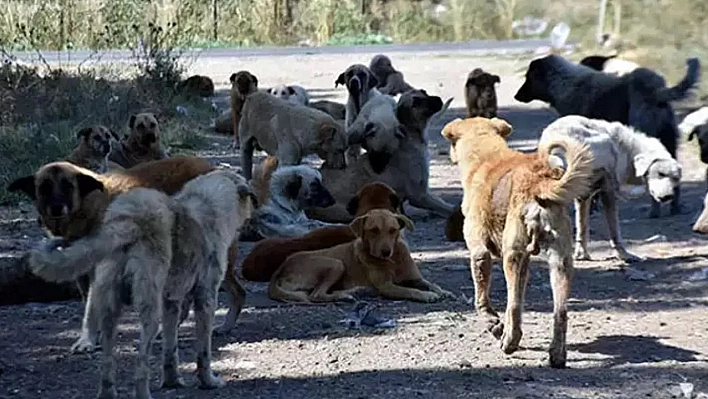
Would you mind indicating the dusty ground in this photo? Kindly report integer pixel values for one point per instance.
(631, 334)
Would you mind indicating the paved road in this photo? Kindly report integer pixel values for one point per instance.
(479, 47)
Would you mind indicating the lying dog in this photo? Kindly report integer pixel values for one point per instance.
(243, 83)
(169, 250)
(292, 190)
(95, 144)
(390, 80)
(622, 156)
(639, 99)
(141, 145)
(609, 64)
(515, 204)
(337, 273)
(267, 256)
(291, 93)
(196, 86)
(333, 108)
(289, 132)
(361, 85)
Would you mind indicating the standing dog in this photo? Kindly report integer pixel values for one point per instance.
(289, 132)
(639, 99)
(168, 250)
(622, 156)
(243, 83)
(95, 143)
(391, 81)
(142, 143)
(480, 94)
(361, 85)
(515, 204)
(292, 93)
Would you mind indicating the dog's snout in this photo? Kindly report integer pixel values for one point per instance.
(56, 210)
(149, 138)
(386, 253)
(666, 198)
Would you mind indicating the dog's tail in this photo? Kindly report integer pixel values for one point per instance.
(576, 161)
(682, 89)
(278, 293)
(261, 178)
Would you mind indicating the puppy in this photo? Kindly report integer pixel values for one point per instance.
(196, 86)
(169, 250)
(337, 273)
(609, 64)
(334, 109)
(243, 83)
(361, 85)
(292, 93)
(269, 254)
(142, 143)
(515, 205)
(391, 81)
(289, 132)
(480, 94)
(292, 190)
(639, 99)
(95, 144)
(622, 156)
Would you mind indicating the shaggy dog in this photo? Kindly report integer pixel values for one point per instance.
(480, 94)
(292, 93)
(622, 156)
(95, 143)
(515, 205)
(639, 99)
(361, 85)
(169, 250)
(243, 83)
(292, 190)
(390, 80)
(142, 144)
(196, 86)
(609, 64)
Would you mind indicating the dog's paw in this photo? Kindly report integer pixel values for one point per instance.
(107, 393)
(627, 257)
(83, 345)
(510, 341)
(495, 327)
(174, 382)
(445, 294)
(581, 254)
(429, 296)
(211, 381)
(557, 357)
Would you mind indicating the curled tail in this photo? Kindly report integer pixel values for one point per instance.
(681, 90)
(261, 178)
(576, 161)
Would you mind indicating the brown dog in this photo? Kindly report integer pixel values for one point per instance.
(243, 83)
(141, 145)
(196, 86)
(515, 204)
(480, 94)
(95, 144)
(336, 273)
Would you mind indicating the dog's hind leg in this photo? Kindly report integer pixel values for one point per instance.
(148, 302)
(609, 202)
(481, 271)
(108, 306)
(171, 377)
(235, 292)
(204, 308)
(582, 227)
(516, 273)
(561, 272)
(331, 270)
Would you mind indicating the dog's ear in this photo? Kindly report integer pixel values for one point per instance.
(642, 162)
(496, 79)
(84, 132)
(450, 130)
(254, 79)
(406, 223)
(357, 225)
(327, 131)
(87, 184)
(435, 103)
(372, 81)
(131, 122)
(341, 80)
(292, 189)
(353, 205)
(291, 90)
(396, 203)
(232, 78)
(269, 90)
(503, 127)
(24, 184)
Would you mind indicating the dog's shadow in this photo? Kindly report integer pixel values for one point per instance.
(624, 349)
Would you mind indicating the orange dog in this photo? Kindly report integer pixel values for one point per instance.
(514, 205)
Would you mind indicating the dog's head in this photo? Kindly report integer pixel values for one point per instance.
(381, 67)
(301, 184)
(375, 195)
(470, 132)
(662, 175)
(537, 80)
(358, 79)
(332, 144)
(282, 92)
(483, 84)
(377, 128)
(243, 83)
(416, 107)
(701, 224)
(701, 132)
(98, 139)
(144, 131)
(197, 85)
(379, 231)
(57, 190)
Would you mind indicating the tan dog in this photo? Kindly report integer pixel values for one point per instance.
(338, 272)
(243, 83)
(95, 144)
(141, 145)
(289, 132)
(515, 205)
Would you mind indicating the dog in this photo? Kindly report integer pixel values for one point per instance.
(361, 85)
(170, 250)
(695, 125)
(609, 64)
(406, 170)
(269, 254)
(373, 128)
(292, 190)
(639, 99)
(243, 83)
(95, 143)
(515, 205)
(337, 273)
(622, 156)
(333, 108)
(391, 81)
(292, 93)
(289, 132)
(480, 94)
(141, 145)
(701, 224)
(196, 86)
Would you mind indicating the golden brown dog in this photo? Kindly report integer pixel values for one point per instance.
(142, 144)
(337, 273)
(514, 205)
(243, 83)
(95, 144)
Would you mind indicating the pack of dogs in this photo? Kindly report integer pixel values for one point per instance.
(133, 225)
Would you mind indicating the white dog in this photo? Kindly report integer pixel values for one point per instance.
(293, 93)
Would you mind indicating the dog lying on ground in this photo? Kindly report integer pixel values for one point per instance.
(292, 93)
(639, 99)
(515, 205)
(141, 145)
(292, 190)
(406, 170)
(243, 83)
(267, 256)
(95, 144)
(609, 64)
(390, 81)
(622, 156)
(197, 86)
(337, 273)
(361, 85)
(333, 108)
(170, 250)
(289, 132)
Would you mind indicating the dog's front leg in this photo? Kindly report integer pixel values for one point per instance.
(676, 201)
(392, 291)
(204, 308)
(428, 201)
(582, 228)
(609, 203)
(516, 273)
(89, 326)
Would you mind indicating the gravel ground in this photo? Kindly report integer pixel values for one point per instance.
(633, 333)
